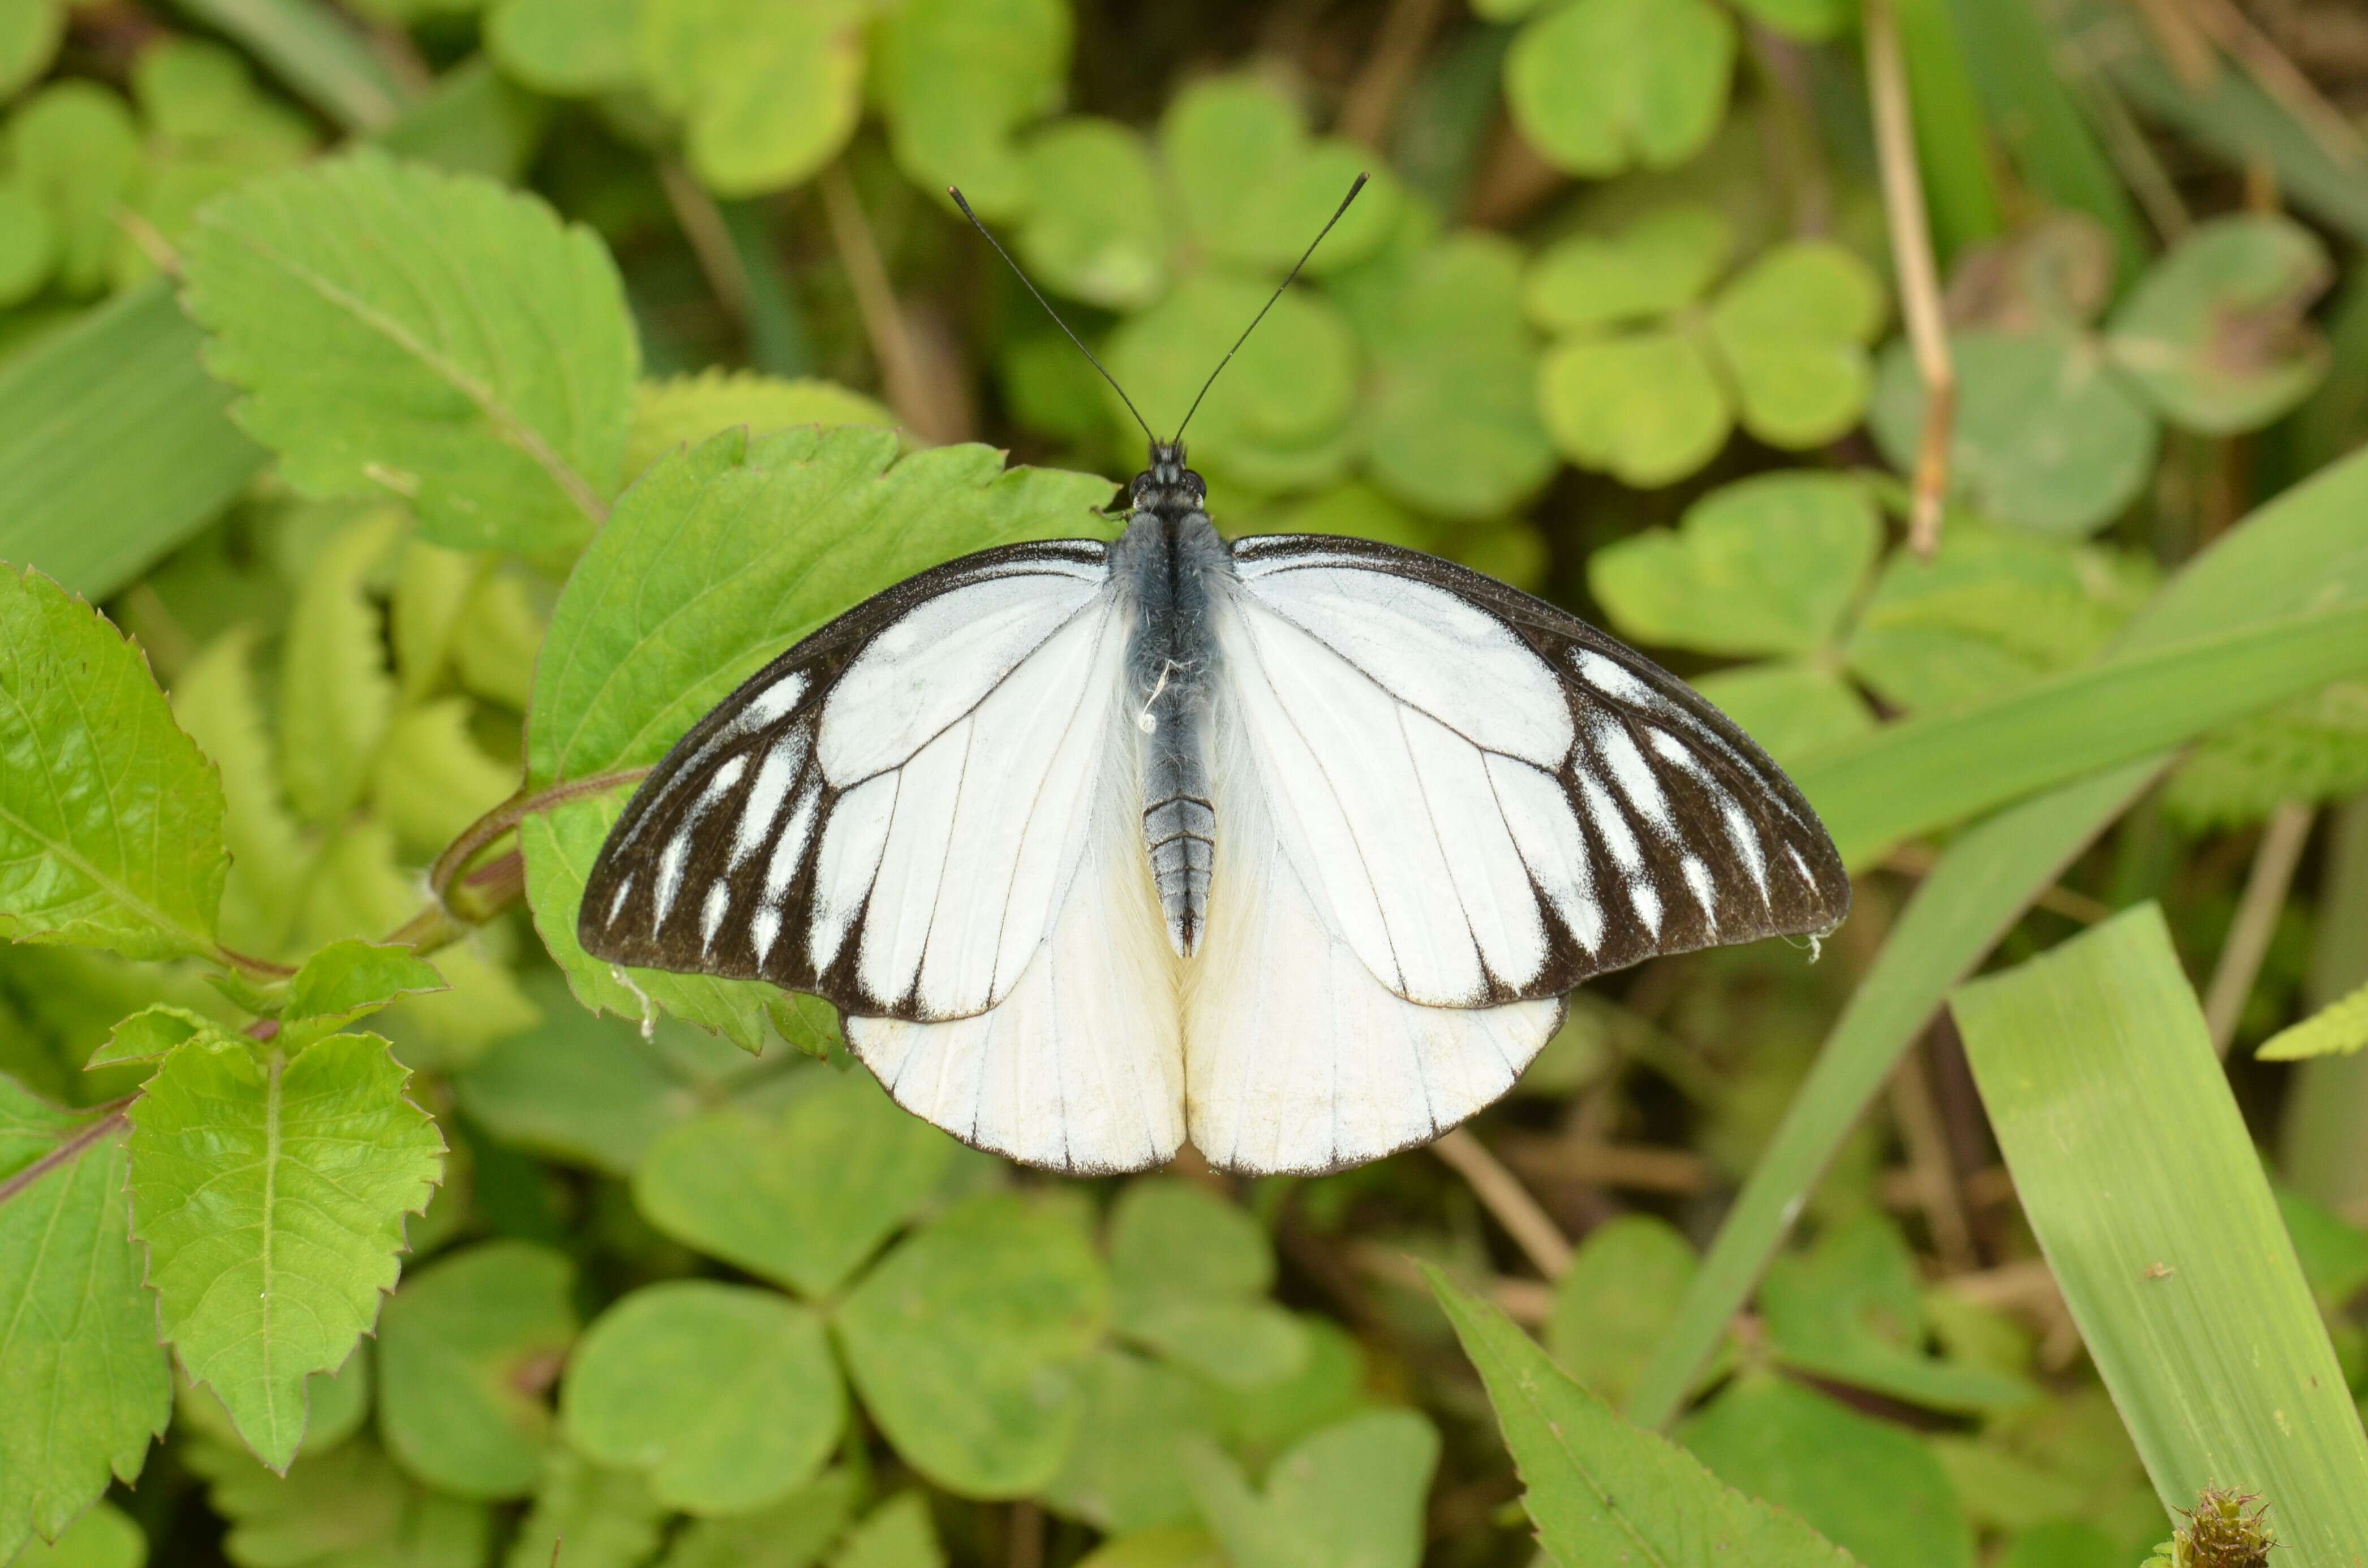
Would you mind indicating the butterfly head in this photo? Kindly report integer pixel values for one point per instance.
(1166, 484)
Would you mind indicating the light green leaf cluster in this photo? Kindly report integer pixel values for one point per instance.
(1599, 86)
(1647, 378)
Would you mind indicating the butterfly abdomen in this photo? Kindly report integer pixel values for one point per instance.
(1166, 564)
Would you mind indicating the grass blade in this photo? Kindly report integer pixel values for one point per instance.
(114, 445)
(2137, 1175)
(317, 53)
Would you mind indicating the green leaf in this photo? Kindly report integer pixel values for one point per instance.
(1792, 710)
(432, 779)
(335, 1406)
(570, 48)
(29, 245)
(1599, 86)
(792, 1533)
(2062, 1544)
(587, 1517)
(1096, 227)
(199, 98)
(1664, 261)
(801, 1196)
(336, 694)
(2313, 749)
(1868, 1487)
(725, 1395)
(684, 411)
(897, 1534)
(770, 92)
(958, 77)
(1289, 392)
(694, 584)
(270, 1194)
(347, 1509)
(2333, 1254)
(1449, 422)
(1617, 1297)
(110, 822)
(1768, 566)
(2216, 335)
(1350, 1496)
(1598, 1488)
(76, 152)
(465, 1348)
(1216, 130)
(151, 1034)
(1168, 1546)
(87, 1386)
(1124, 1472)
(1794, 330)
(1850, 1311)
(103, 1538)
(29, 33)
(1188, 1275)
(1806, 20)
(2340, 1029)
(2046, 437)
(216, 703)
(496, 643)
(2139, 1178)
(438, 337)
(1259, 1422)
(1645, 407)
(432, 586)
(967, 1344)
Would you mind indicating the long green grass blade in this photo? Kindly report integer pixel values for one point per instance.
(1922, 774)
(1951, 147)
(315, 51)
(2140, 1181)
(2307, 548)
(114, 445)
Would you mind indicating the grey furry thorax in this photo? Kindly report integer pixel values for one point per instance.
(1169, 564)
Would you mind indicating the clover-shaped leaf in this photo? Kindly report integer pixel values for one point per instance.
(1350, 1496)
(1188, 1275)
(769, 93)
(1645, 407)
(1255, 186)
(1793, 708)
(1794, 329)
(2215, 335)
(1601, 86)
(76, 152)
(1766, 566)
(1618, 1299)
(1663, 262)
(958, 77)
(30, 31)
(2046, 437)
(1122, 1472)
(1097, 228)
(567, 47)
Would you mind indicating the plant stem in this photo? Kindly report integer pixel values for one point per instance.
(1501, 1193)
(1911, 254)
(2266, 885)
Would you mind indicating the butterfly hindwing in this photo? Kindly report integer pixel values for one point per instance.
(883, 815)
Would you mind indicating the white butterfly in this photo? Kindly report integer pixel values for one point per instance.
(1291, 847)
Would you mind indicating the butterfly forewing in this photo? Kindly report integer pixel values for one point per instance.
(880, 816)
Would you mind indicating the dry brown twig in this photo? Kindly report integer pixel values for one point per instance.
(1371, 101)
(902, 373)
(2275, 859)
(1919, 282)
(1501, 1193)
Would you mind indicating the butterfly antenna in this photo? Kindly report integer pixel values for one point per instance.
(957, 195)
(1358, 186)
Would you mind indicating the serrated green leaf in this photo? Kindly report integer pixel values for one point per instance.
(570, 48)
(724, 1395)
(1189, 1274)
(587, 1517)
(2046, 437)
(1794, 329)
(1291, 389)
(2313, 749)
(2340, 1029)
(1768, 566)
(466, 1348)
(958, 77)
(1646, 407)
(432, 587)
(2216, 335)
(87, 1385)
(1664, 261)
(802, 1194)
(30, 32)
(435, 337)
(1449, 422)
(110, 820)
(1599, 86)
(1123, 1472)
(270, 1194)
(102, 1538)
(1619, 1296)
(1096, 226)
(76, 152)
(335, 1406)
(335, 694)
(694, 584)
(897, 1534)
(496, 643)
(1597, 1487)
(151, 1034)
(1350, 1496)
(792, 1533)
(29, 244)
(967, 1344)
(430, 779)
(1217, 130)
(347, 1509)
(770, 92)
(684, 411)
(216, 704)
(1870, 1487)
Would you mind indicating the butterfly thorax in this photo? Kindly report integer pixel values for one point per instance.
(1169, 564)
